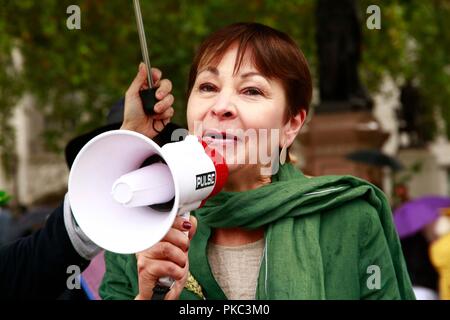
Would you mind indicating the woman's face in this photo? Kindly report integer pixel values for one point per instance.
(239, 114)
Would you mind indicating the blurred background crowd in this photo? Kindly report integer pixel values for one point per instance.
(381, 99)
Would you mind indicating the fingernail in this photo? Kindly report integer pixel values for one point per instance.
(187, 225)
(161, 94)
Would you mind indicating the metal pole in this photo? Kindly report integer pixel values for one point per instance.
(143, 41)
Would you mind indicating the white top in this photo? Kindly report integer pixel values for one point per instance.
(236, 268)
(423, 293)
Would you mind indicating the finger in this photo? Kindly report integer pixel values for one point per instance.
(164, 268)
(164, 104)
(158, 125)
(178, 238)
(156, 76)
(182, 224)
(165, 87)
(165, 122)
(138, 81)
(193, 229)
(167, 251)
(165, 115)
(144, 85)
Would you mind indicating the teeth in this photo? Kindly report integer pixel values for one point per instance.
(220, 136)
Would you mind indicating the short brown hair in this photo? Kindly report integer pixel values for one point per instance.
(273, 53)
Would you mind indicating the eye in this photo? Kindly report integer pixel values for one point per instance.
(252, 91)
(207, 87)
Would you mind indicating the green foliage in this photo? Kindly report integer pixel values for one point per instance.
(413, 43)
(4, 198)
(402, 178)
(76, 75)
(408, 173)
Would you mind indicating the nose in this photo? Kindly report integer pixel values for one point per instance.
(224, 108)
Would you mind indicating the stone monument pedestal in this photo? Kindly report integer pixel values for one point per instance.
(329, 137)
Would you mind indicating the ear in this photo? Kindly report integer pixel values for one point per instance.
(292, 127)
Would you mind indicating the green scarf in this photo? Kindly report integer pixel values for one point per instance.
(292, 266)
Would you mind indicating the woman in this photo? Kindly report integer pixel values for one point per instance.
(271, 234)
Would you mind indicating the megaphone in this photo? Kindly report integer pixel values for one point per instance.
(126, 205)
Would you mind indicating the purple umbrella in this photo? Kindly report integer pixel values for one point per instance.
(414, 215)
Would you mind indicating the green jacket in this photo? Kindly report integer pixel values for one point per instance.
(358, 249)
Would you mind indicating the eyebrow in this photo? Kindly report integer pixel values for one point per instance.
(210, 69)
(251, 74)
(214, 71)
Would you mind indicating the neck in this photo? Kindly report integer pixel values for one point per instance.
(235, 236)
(243, 179)
(246, 178)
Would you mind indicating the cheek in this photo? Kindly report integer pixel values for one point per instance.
(189, 118)
(268, 124)
(263, 117)
(193, 114)
(271, 123)
(268, 114)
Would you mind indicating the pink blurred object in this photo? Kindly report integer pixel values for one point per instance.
(92, 277)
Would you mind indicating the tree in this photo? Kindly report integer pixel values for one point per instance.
(76, 75)
(412, 45)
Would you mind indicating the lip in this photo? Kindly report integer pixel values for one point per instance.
(212, 135)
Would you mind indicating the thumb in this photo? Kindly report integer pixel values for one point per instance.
(139, 80)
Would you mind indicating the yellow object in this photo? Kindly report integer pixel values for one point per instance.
(193, 286)
(440, 257)
(445, 212)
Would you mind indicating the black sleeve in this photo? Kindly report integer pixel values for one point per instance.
(35, 267)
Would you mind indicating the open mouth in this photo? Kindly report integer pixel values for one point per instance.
(211, 136)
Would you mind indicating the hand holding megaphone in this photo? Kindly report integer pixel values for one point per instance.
(169, 257)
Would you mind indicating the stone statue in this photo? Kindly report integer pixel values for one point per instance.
(412, 115)
(339, 48)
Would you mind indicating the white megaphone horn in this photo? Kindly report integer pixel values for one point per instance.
(126, 205)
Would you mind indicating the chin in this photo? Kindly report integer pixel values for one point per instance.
(232, 168)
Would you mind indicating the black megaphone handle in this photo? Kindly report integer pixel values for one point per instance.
(148, 100)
